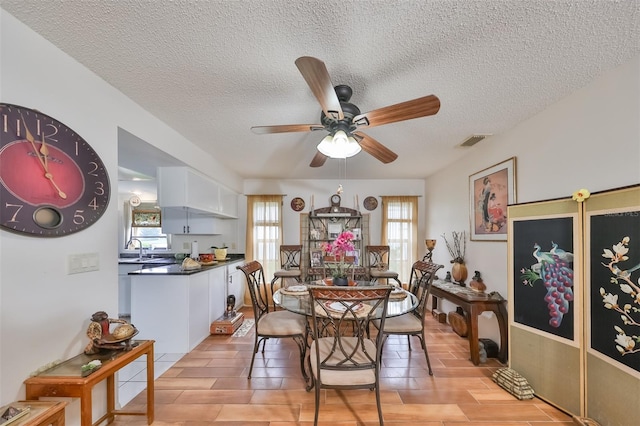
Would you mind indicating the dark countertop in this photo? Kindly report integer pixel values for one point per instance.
(175, 269)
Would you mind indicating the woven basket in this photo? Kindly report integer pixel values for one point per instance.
(513, 382)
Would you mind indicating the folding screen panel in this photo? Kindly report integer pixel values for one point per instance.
(545, 309)
(612, 271)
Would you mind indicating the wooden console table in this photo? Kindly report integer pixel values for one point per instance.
(41, 413)
(473, 304)
(65, 380)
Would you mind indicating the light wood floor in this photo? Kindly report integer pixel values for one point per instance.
(210, 386)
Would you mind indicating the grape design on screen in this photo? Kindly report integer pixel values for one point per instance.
(554, 268)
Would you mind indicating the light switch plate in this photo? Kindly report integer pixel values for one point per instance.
(85, 262)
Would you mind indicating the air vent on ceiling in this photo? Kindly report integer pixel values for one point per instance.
(473, 139)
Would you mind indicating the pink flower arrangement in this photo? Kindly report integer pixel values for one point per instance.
(339, 249)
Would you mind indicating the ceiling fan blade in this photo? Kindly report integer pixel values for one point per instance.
(285, 128)
(375, 148)
(317, 77)
(318, 159)
(416, 108)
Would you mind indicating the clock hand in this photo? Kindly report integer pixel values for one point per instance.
(44, 150)
(33, 144)
(43, 160)
(60, 193)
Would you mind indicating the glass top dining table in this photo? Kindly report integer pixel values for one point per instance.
(296, 298)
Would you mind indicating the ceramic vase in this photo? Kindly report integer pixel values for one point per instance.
(341, 281)
(221, 254)
(459, 272)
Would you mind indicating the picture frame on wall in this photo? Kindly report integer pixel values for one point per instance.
(490, 192)
(146, 218)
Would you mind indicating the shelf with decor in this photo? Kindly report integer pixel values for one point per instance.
(323, 225)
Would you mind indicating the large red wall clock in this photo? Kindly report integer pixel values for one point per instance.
(52, 182)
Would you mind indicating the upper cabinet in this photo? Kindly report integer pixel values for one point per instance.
(184, 187)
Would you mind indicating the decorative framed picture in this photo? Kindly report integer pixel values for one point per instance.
(316, 258)
(334, 229)
(490, 192)
(146, 218)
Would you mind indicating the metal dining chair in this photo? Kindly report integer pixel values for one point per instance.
(275, 324)
(290, 256)
(378, 258)
(412, 323)
(342, 356)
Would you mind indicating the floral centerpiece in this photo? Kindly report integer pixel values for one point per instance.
(339, 249)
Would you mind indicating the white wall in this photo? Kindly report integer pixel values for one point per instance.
(321, 190)
(590, 139)
(44, 312)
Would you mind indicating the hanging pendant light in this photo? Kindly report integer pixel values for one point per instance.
(339, 145)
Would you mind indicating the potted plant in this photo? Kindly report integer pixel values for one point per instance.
(220, 252)
(339, 249)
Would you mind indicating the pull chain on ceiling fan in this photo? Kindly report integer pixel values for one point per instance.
(343, 119)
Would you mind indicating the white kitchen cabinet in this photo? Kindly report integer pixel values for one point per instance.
(124, 288)
(228, 202)
(173, 310)
(236, 283)
(182, 220)
(184, 187)
(217, 293)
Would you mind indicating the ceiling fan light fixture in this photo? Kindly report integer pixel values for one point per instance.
(339, 145)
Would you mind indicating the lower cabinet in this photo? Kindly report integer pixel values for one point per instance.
(217, 293)
(177, 310)
(236, 284)
(124, 288)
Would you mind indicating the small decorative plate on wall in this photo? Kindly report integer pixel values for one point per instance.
(297, 204)
(370, 203)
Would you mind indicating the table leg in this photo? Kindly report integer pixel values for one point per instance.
(474, 347)
(86, 407)
(150, 386)
(501, 313)
(111, 398)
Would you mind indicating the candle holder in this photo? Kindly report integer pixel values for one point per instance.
(431, 245)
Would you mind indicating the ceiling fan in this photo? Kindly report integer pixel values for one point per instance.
(343, 119)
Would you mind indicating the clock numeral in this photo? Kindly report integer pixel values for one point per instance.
(99, 188)
(54, 131)
(95, 166)
(18, 207)
(78, 218)
(93, 204)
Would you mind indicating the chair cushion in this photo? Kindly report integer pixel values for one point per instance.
(287, 273)
(346, 377)
(281, 323)
(383, 274)
(407, 323)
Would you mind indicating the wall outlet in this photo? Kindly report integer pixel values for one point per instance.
(233, 246)
(186, 246)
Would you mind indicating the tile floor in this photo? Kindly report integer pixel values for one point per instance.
(209, 386)
(132, 379)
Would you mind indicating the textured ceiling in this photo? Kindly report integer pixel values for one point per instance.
(212, 69)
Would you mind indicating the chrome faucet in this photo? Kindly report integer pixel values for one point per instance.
(141, 255)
